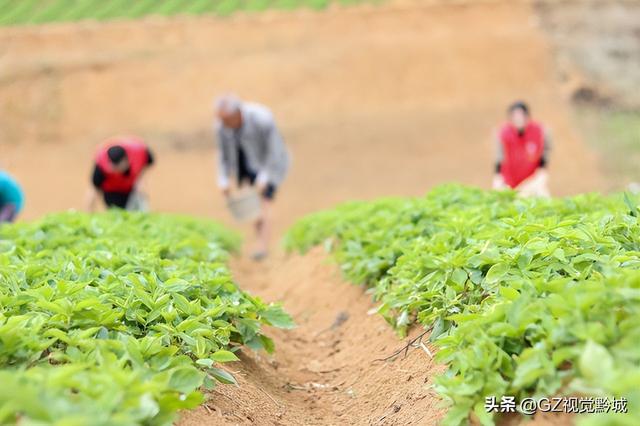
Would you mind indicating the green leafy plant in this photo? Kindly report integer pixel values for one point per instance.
(21, 12)
(521, 294)
(119, 319)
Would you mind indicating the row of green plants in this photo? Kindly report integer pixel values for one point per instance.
(523, 297)
(119, 318)
(20, 12)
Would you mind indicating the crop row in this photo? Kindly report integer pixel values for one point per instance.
(119, 319)
(17, 12)
(524, 297)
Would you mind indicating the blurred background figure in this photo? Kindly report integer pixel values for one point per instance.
(120, 165)
(251, 151)
(11, 198)
(523, 147)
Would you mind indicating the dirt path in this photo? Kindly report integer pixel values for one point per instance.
(324, 371)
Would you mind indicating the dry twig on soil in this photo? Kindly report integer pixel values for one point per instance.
(413, 343)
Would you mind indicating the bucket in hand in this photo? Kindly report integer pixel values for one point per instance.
(245, 205)
(137, 202)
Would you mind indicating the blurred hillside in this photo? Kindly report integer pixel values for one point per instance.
(597, 49)
(597, 43)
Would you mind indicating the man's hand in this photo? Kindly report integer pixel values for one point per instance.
(92, 197)
(536, 185)
(261, 187)
(141, 184)
(262, 181)
(498, 183)
(226, 192)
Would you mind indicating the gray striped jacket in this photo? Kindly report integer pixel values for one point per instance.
(261, 142)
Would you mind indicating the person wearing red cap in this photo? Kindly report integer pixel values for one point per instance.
(522, 154)
(119, 167)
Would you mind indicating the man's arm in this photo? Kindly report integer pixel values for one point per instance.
(97, 179)
(498, 180)
(548, 145)
(275, 147)
(139, 185)
(499, 152)
(150, 157)
(223, 164)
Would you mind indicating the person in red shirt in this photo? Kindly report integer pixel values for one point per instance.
(119, 167)
(522, 154)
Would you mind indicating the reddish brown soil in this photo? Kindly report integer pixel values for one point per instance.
(373, 101)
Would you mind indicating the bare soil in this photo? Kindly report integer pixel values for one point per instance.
(373, 101)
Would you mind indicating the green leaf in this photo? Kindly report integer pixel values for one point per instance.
(633, 208)
(275, 316)
(148, 406)
(497, 272)
(224, 356)
(186, 379)
(509, 293)
(595, 362)
(459, 276)
(205, 362)
(222, 376)
(267, 343)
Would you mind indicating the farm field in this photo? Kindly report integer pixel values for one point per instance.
(119, 319)
(21, 12)
(379, 102)
(522, 297)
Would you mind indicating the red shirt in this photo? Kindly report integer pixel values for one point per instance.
(137, 154)
(522, 152)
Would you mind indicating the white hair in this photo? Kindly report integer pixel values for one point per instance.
(228, 103)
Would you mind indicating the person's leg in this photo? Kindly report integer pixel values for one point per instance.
(137, 202)
(8, 213)
(263, 231)
(264, 223)
(535, 186)
(116, 200)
